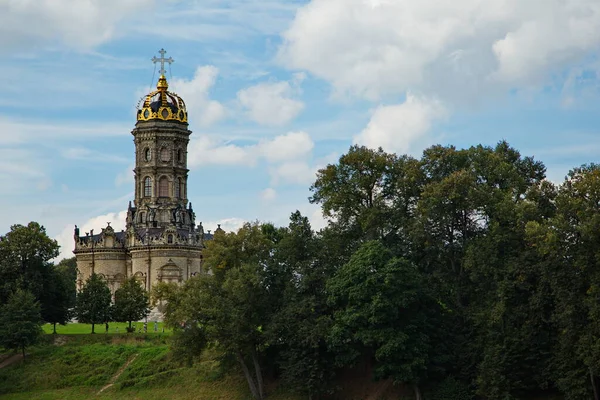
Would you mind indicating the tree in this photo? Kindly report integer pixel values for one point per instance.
(353, 193)
(568, 244)
(230, 307)
(131, 302)
(68, 269)
(57, 298)
(94, 302)
(25, 254)
(20, 321)
(301, 321)
(381, 308)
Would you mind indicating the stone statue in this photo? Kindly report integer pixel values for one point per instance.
(201, 230)
(151, 215)
(76, 231)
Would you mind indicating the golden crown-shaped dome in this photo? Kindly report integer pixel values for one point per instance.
(162, 105)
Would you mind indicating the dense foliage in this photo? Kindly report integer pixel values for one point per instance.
(463, 273)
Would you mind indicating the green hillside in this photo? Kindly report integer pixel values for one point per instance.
(79, 366)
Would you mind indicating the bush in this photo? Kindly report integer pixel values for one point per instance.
(449, 389)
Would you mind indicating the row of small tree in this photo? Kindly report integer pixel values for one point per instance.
(33, 290)
(95, 306)
(462, 273)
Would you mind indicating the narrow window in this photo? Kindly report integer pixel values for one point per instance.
(163, 187)
(177, 187)
(170, 239)
(147, 187)
(147, 154)
(179, 156)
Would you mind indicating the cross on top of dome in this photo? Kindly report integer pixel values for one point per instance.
(162, 104)
(162, 60)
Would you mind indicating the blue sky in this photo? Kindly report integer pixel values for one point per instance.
(276, 90)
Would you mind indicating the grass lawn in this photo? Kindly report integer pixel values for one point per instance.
(113, 327)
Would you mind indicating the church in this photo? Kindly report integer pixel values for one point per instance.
(161, 241)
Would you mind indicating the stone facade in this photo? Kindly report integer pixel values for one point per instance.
(161, 241)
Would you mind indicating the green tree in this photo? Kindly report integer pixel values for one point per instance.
(25, 254)
(382, 310)
(57, 299)
(301, 322)
(131, 302)
(568, 244)
(94, 302)
(68, 269)
(229, 308)
(353, 194)
(20, 321)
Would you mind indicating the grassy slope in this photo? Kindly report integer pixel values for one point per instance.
(82, 364)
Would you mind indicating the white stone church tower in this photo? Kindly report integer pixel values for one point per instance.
(161, 241)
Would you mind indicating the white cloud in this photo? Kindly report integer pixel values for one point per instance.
(205, 150)
(195, 93)
(402, 128)
(125, 177)
(293, 172)
(77, 24)
(272, 103)
(289, 146)
(85, 154)
(457, 50)
(65, 237)
(231, 224)
(23, 169)
(268, 194)
(15, 131)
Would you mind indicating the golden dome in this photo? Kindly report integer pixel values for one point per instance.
(162, 105)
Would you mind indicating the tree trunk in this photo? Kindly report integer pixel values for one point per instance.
(593, 384)
(251, 383)
(417, 392)
(93, 327)
(259, 379)
(54, 328)
(129, 325)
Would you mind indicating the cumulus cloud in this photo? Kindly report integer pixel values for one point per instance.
(195, 93)
(293, 172)
(290, 146)
(457, 50)
(65, 237)
(268, 194)
(77, 24)
(402, 128)
(125, 177)
(272, 103)
(231, 224)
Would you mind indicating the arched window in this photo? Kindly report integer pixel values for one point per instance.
(163, 187)
(177, 187)
(147, 154)
(147, 187)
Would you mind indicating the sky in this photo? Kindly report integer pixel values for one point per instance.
(277, 89)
